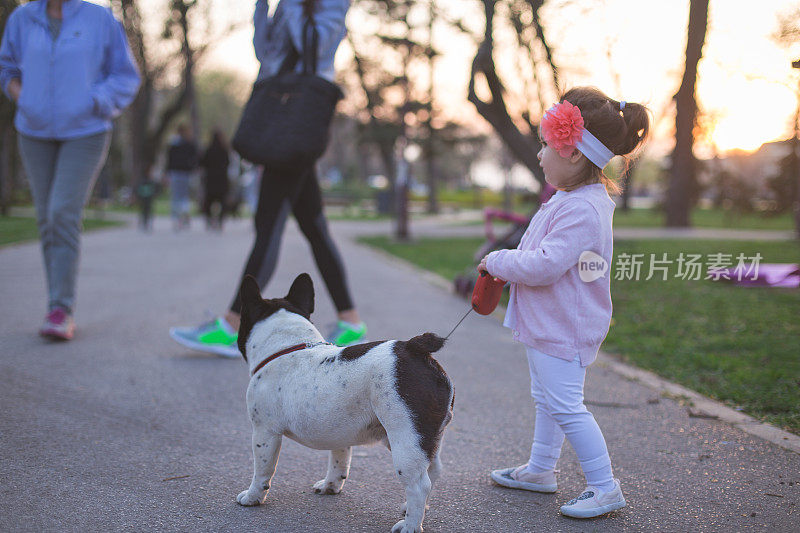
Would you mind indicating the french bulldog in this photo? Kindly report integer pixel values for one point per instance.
(332, 398)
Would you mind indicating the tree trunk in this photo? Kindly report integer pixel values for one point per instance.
(429, 149)
(144, 141)
(138, 166)
(796, 149)
(401, 191)
(683, 179)
(403, 176)
(187, 51)
(627, 183)
(8, 146)
(796, 156)
(6, 170)
(524, 147)
(507, 161)
(433, 178)
(385, 145)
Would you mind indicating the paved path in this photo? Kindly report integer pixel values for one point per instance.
(122, 429)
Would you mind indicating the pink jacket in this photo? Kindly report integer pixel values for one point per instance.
(552, 308)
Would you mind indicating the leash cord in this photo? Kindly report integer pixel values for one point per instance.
(459, 323)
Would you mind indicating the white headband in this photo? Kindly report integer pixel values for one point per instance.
(593, 149)
(562, 126)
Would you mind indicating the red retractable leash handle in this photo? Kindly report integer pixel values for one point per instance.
(486, 293)
(485, 296)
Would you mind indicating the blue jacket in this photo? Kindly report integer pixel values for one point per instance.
(275, 35)
(71, 86)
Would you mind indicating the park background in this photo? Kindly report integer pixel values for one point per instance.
(442, 102)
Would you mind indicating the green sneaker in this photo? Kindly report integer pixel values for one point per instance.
(216, 336)
(346, 333)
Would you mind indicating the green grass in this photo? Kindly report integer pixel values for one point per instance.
(21, 229)
(738, 345)
(446, 257)
(355, 216)
(701, 218)
(161, 207)
(468, 198)
(706, 218)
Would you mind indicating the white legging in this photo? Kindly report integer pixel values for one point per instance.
(557, 389)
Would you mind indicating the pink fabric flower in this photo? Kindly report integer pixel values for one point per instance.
(562, 127)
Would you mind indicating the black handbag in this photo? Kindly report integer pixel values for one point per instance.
(286, 122)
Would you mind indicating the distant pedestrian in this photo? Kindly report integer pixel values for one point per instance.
(560, 309)
(182, 160)
(215, 162)
(68, 67)
(146, 193)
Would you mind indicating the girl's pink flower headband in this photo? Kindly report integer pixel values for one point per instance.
(563, 129)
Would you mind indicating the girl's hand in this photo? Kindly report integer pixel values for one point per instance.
(14, 88)
(482, 265)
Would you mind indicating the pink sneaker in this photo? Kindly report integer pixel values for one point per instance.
(58, 325)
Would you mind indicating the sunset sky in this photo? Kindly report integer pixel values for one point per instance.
(631, 49)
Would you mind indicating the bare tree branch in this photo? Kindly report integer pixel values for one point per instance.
(524, 147)
(537, 24)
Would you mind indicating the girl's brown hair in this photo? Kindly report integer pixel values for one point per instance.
(620, 130)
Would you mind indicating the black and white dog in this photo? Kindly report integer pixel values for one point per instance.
(333, 398)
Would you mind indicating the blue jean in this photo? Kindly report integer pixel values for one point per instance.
(179, 184)
(61, 175)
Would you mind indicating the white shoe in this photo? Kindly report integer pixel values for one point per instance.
(520, 478)
(594, 502)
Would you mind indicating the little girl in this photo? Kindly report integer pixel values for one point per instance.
(560, 306)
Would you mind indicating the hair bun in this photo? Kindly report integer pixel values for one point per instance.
(620, 125)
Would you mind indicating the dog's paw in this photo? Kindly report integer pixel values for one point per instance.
(324, 486)
(248, 498)
(401, 527)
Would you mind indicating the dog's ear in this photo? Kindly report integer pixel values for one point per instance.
(301, 293)
(252, 304)
(250, 293)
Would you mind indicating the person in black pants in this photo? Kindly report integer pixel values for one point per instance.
(215, 163)
(276, 37)
(279, 196)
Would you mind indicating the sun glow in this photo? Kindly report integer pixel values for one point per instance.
(742, 111)
(738, 133)
(748, 115)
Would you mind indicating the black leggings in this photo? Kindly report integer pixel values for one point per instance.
(279, 195)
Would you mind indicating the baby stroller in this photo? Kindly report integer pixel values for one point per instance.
(464, 283)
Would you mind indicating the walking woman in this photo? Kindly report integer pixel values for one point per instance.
(215, 163)
(68, 67)
(277, 39)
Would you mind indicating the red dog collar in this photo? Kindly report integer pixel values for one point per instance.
(290, 349)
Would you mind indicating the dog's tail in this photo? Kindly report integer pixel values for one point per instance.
(424, 344)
